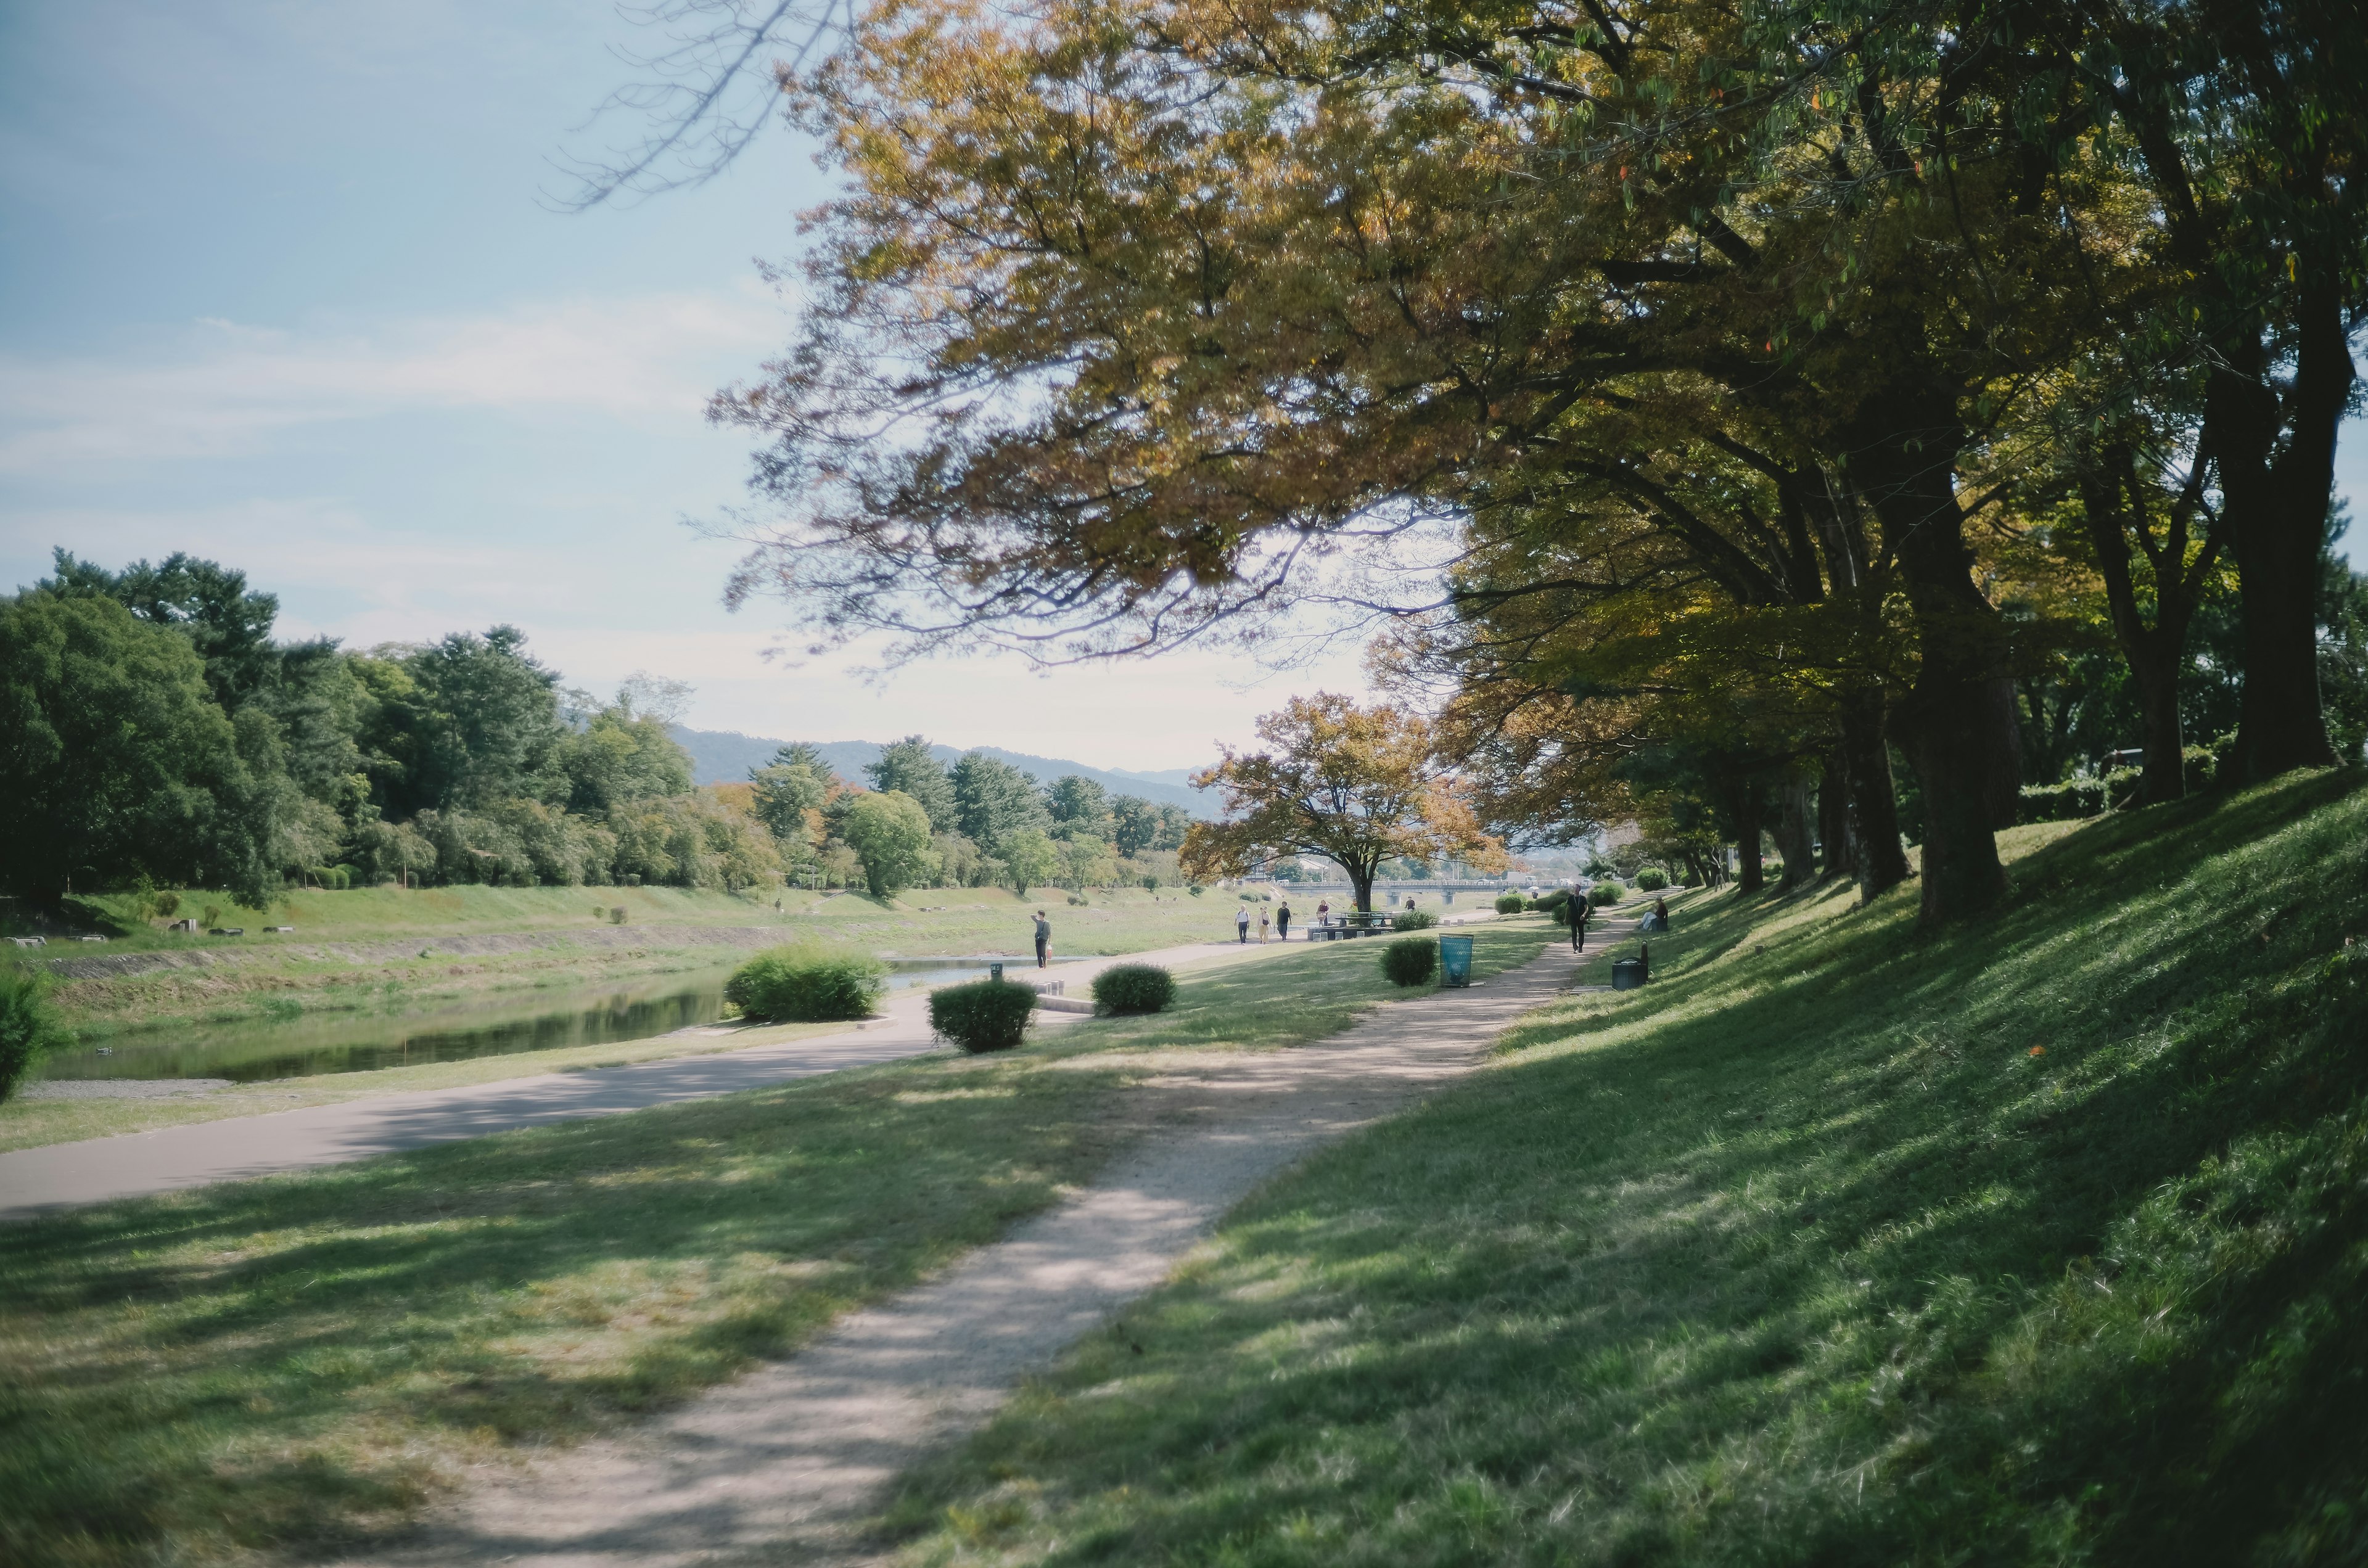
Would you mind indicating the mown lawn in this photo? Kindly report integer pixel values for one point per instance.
(302, 1363)
(2041, 1241)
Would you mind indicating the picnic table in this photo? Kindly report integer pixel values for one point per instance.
(1349, 923)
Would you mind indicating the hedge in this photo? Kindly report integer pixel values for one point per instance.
(1410, 960)
(986, 1014)
(1134, 988)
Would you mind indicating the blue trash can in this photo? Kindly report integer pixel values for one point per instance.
(1627, 974)
(1455, 960)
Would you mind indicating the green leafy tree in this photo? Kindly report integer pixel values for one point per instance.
(788, 798)
(116, 762)
(993, 799)
(907, 767)
(484, 723)
(227, 623)
(889, 833)
(1134, 825)
(1075, 802)
(621, 756)
(1030, 860)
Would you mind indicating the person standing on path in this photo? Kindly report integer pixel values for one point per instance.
(1242, 924)
(1264, 925)
(1282, 922)
(1043, 938)
(1581, 908)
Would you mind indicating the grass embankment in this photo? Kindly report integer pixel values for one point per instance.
(296, 1362)
(438, 944)
(1802, 1254)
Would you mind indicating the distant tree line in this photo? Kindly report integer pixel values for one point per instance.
(153, 731)
(978, 823)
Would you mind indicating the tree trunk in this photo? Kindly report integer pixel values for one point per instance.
(1796, 830)
(1873, 797)
(1833, 817)
(1360, 886)
(1750, 876)
(2275, 513)
(1958, 725)
(2155, 667)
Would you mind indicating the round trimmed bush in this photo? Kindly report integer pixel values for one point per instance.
(1134, 988)
(1604, 893)
(1413, 920)
(1510, 903)
(985, 1014)
(1410, 960)
(29, 1030)
(803, 985)
(1652, 879)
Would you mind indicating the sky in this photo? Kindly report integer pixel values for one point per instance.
(283, 283)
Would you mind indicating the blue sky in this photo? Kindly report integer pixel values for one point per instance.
(280, 284)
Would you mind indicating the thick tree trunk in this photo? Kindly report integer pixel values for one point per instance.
(1360, 888)
(2275, 511)
(1873, 797)
(2155, 667)
(1750, 877)
(1958, 724)
(1833, 818)
(1796, 830)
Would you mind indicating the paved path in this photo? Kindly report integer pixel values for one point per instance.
(60, 1175)
(783, 1465)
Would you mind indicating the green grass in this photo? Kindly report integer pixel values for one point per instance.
(370, 935)
(302, 1363)
(1798, 1255)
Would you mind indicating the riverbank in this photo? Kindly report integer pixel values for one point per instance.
(384, 945)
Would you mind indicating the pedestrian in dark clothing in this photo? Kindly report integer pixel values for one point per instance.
(1242, 925)
(1580, 910)
(1282, 921)
(1043, 938)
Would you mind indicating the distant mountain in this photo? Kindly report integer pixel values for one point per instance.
(1179, 777)
(724, 756)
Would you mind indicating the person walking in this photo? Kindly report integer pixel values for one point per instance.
(1242, 924)
(1282, 922)
(1264, 925)
(1581, 906)
(1043, 938)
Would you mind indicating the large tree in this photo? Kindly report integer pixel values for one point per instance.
(911, 767)
(889, 833)
(116, 762)
(1356, 785)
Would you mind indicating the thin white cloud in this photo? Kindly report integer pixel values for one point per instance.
(219, 388)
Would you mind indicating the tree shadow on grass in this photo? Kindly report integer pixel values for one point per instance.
(1837, 1273)
(263, 1362)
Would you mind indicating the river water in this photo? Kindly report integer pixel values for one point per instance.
(395, 1031)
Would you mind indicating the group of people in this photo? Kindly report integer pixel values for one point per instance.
(1280, 924)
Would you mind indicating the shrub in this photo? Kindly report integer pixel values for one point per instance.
(1652, 879)
(210, 916)
(617, 915)
(1410, 960)
(986, 1014)
(1134, 988)
(165, 904)
(1196, 890)
(797, 985)
(1604, 893)
(1413, 920)
(1510, 903)
(29, 1030)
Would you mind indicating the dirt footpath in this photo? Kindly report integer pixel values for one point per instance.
(780, 1466)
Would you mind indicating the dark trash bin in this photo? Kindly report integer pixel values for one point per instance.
(1627, 974)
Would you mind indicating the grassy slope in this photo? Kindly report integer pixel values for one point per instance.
(924, 922)
(298, 1361)
(1799, 1256)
